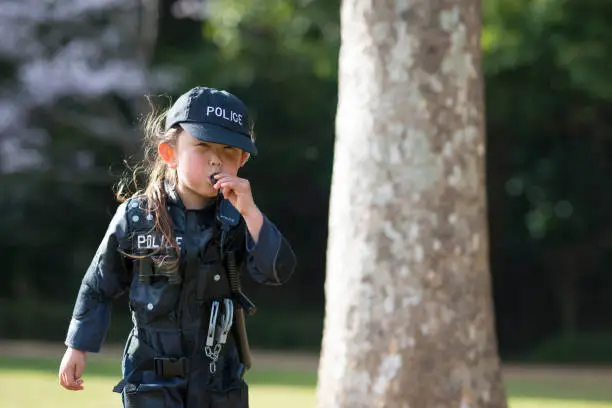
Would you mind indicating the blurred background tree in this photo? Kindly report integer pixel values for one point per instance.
(72, 82)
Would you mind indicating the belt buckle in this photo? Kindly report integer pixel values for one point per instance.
(168, 367)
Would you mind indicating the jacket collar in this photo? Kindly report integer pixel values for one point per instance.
(173, 198)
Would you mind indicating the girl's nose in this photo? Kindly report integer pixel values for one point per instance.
(214, 160)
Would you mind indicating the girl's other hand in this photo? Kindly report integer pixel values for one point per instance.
(71, 369)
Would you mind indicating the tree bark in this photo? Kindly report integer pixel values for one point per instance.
(409, 318)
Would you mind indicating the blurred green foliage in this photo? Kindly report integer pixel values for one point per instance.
(583, 348)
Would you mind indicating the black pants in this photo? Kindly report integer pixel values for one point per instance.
(179, 396)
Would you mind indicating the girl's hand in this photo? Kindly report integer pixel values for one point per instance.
(71, 369)
(238, 191)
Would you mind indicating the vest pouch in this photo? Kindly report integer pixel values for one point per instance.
(154, 300)
(233, 398)
(167, 270)
(228, 376)
(154, 395)
(213, 282)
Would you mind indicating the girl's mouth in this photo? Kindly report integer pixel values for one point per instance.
(212, 179)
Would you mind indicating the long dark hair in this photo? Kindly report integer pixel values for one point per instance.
(154, 173)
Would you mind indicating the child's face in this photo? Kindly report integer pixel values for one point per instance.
(196, 161)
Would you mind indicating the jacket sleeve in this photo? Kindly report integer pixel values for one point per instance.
(106, 278)
(271, 260)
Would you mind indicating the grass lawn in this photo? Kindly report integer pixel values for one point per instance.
(28, 382)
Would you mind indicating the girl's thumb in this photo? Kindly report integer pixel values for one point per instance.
(78, 370)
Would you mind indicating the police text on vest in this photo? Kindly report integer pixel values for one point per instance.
(154, 241)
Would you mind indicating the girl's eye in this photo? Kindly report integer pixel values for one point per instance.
(231, 150)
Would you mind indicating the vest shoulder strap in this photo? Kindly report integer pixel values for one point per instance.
(139, 217)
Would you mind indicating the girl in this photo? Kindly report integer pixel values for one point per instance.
(178, 247)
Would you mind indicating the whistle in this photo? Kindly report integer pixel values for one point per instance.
(212, 180)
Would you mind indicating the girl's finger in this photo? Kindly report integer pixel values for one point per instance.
(228, 185)
(223, 176)
(224, 182)
(73, 374)
(78, 371)
(68, 375)
(71, 387)
(75, 384)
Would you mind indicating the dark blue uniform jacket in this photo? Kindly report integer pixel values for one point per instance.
(171, 319)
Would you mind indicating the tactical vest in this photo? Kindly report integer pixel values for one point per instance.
(157, 260)
(206, 280)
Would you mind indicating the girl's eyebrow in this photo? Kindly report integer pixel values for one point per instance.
(200, 143)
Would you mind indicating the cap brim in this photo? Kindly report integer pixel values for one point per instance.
(217, 134)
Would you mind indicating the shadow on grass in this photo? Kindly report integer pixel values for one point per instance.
(544, 388)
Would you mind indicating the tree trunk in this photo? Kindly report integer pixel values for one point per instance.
(409, 319)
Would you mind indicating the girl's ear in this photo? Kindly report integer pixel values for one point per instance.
(166, 152)
(245, 157)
